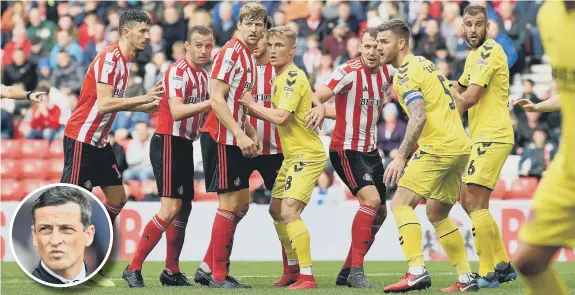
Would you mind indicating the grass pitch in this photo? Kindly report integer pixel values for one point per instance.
(260, 275)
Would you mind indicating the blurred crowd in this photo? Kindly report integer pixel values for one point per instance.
(48, 45)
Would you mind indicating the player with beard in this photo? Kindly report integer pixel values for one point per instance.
(88, 158)
(484, 88)
(181, 115)
(359, 87)
(434, 172)
(551, 225)
(229, 141)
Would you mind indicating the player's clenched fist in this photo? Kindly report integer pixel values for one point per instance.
(248, 146)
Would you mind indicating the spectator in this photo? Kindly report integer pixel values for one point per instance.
(312, 57)
(86, 30)
(447, 29)
(66, 24)
(155, 70)
(418, 17)
(113, 18)
(351, 51)
(445, 69)
(96, 45)
(16, 9)
(391, 132)
(6, 124)
(39, 28)
(135, 83)
(525, 129)
(394, 12)
(279, 18)
(19, 41)
(20, 71)
(44, 122)
(70, 46)
(178, 51)
(528, 93)
(325, 193)
(156, 44)
(113, 37)
(537, 155)
(67, 75)
(430, 41)
(505, 42)
(44, 70)
(37, 51)
(200, 17)
(301, 45)
(458, 48)
(315, 23)
(175, 28)
(224, 29)
(344, 16)
(138, 155)
(336, 43)
(119, 153)
(320, 75)
(513, 25)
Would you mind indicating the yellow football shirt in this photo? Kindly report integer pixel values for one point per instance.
(292, 92)
(557, 28)
(489, 119)
(443, 134)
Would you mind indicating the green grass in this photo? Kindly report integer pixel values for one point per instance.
(260, 275)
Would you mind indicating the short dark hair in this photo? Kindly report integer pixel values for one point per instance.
(531, 82)
(60, 195)
(204, 31)
(269, 22)
(397, 27)
(371, 31)
(130, 17)
(474, 9)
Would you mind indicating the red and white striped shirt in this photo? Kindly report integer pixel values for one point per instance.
(267, 131)
(235, 65)
(358, 102)
(181, 80)
(86, 123)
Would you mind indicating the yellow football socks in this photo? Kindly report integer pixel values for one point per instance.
(484, 234)
(545, 283)
(284, 239)
(410, 235)
(300, 242)
(499, 251)
(452, 242)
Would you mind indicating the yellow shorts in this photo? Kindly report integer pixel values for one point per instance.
(297, 179)
(435, 177)
(485, 163)
(552, 218)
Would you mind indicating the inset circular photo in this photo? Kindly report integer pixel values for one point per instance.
(61, 235)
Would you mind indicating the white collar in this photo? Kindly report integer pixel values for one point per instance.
(79, 277)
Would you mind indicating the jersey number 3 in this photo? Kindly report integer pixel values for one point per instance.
(447, 91)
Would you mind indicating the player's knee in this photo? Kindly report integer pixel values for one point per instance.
(275, 213)
(169, 211)
(244, 208)
(476, 198)
(372, 201)
(528, 265)
(289, 215)
(435, 215)
(381, 215)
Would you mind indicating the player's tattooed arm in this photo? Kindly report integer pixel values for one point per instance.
(415, 126)
(276, 116)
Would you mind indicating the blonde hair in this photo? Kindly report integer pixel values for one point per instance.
(253, 11)
(283, 31)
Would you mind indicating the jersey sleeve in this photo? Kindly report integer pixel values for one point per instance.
(174, 82)
(487, 64)
(292, 89)
(464, 79)
(408, 87)
(106, 67)
(224, 66)
(339, 79)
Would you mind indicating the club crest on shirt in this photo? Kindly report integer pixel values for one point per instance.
(88, 185)
(237, 182)
(181, 190)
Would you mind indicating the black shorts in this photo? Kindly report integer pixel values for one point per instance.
(358, 170)
(88, 166)
(268, 166)
(172, 158)
(225, 167)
